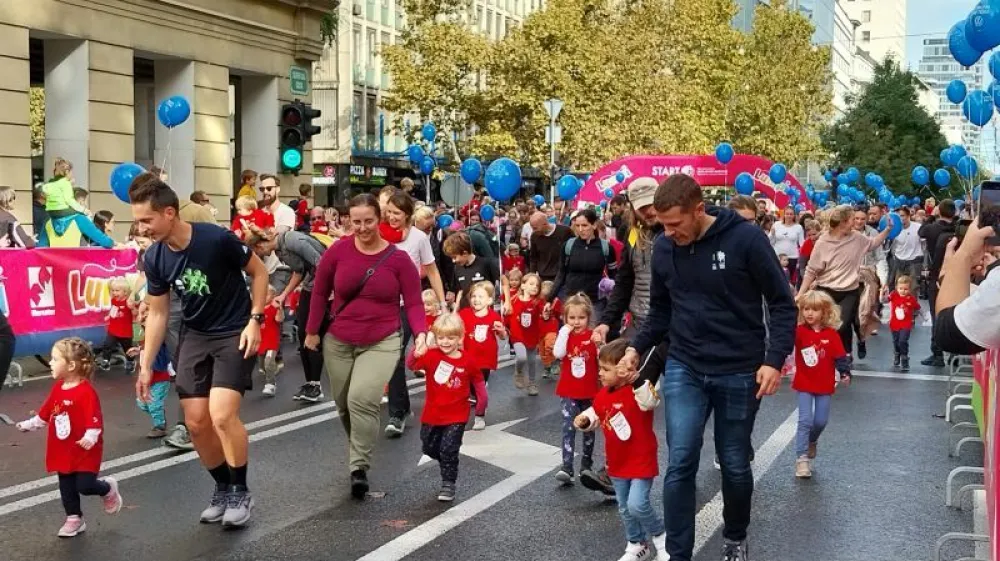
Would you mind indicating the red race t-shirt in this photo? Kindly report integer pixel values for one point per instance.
(578, 377)
(270, 331)
(480, 339)
(69, 413)
(815, 356)
(510, 263)
(448, 386)
(629, 440)
(901, 310)
(319, 226)
(120, 318)
(430, 319)
(257, 217)
(524, 321)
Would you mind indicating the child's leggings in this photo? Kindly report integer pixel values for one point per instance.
(157, 397)
(570, 409)
(525, 356)
(814, 412)
(442, 443)
(72, 485)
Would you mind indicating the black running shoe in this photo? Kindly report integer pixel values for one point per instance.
(359, 484)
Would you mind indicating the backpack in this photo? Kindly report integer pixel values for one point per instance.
(605, 248)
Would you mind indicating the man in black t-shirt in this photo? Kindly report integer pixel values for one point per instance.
(469, 268)
(204, 265)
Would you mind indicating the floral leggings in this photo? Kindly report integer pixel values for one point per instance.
(570, 409)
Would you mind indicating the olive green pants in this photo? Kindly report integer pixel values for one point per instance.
(358, 375)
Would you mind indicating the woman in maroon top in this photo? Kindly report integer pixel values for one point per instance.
(362, 344)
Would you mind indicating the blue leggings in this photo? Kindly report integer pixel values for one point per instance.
(814, 413)
(157, 396)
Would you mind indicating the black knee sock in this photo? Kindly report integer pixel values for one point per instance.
(220, 474)
(238, 475)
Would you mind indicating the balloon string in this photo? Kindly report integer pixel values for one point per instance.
(166, 155)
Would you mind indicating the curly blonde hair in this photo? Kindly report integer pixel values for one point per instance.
(75, 349)
(819, 300)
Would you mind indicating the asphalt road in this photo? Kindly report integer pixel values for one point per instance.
(877, 493)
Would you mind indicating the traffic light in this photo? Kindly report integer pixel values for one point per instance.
(296, 130)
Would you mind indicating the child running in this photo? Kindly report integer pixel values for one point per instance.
(160, 383)
(903, 306)
(525, 313)
(483, 325)
(630, 445)
(74, 445)
(446, 411)
(548, 329)
(432, 306)
(120, 320)
(270, 342)
(819, 355)
(578, 381)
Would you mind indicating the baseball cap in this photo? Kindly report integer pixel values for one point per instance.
(641, 191)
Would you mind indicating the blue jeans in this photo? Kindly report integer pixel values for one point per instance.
(689, 397)
(640, 520)
(901, 342)
(814, 413)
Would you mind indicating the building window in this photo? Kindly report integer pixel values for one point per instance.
(372, 48)
(866, 36)
(866, 16)
(358, 46)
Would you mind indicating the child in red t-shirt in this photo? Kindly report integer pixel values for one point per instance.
(317, 221)
(819, 356)
(159, 384)
(522, 322)
(432, 306)
(248, 215)
(630, 447)
(902, 307)
(513, 286)
(450, 374)
(120, 320)
(549, 328)
(578, 380)
(74, 445)
(483, 325)
(270, 342)
(512, 258)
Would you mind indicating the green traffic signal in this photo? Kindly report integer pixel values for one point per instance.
(291, 159)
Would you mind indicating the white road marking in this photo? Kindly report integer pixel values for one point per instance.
(900, 375)
(709, 518)
(42, 498)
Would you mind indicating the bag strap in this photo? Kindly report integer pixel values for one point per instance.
(361, 285)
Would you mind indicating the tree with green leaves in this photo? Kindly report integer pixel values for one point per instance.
(885, 130)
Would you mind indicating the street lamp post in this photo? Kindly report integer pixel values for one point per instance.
(553, 135)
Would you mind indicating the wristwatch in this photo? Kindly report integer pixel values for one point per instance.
(258, 317)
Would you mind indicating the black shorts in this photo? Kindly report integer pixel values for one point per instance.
(212, 360)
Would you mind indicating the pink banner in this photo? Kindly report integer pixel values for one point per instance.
(706, 170)
(48, 293)
(985, 367)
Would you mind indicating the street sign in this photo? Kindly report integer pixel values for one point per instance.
(553, 107)
(298, 78)
(555, 138)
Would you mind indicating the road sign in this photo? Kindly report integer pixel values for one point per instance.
(555, 138)
(299, 80)
(553, 107)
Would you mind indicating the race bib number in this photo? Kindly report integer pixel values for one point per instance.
(443, 373)
(810, 357)
(526, 319)
(900, 313)
(578, 367)
(63, 427)
(481, 332)
(619, 424)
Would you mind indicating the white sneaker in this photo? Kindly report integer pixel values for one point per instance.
(479, 424)
(269, 390)
(660, 545)
(636, 552)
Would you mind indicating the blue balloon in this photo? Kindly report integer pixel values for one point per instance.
(982, 26)
(870, 179)
(415, 153)
(777, 173)
(745, 184)
(619, 177)
(978, 108)
(879, 182)
(724, 153)
(957, 90)
(920, 175)
(946, 157)
(567, 187)
(539, 200)
(959, 203)
(427, 165)
(843, 190)
(173, 111)
(828, 176)
(960, 151)
(503, 179)
(429, 132)
(993, 91)
(942, 178)
(471, 170)
(958, 44)
(609, 192)
(995, 65)
(967, 167)
(487, 213)
(915, 201)
(853, 175)
(800, 208)
(893, 222)
(444, 221)
(121, 179)
(604, 204)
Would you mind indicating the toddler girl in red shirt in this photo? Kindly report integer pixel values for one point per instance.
(483, 326)
(74, 445)
(578, 380)
(450, 374)
(121, 321)
(523, 322)
(902, 307)
(270, 342)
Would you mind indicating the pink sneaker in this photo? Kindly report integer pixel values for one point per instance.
(73, 527)
(113, 500)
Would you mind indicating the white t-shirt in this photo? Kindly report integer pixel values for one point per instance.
(978, 316)
(284, 218)
(906, 246)
(418, 246)
(787, 239)
(526, 232)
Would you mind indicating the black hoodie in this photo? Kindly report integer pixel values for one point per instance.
(707, 297)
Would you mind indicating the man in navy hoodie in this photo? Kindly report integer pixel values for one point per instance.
(711, 270)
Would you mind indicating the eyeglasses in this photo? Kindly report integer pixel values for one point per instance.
(268, 188)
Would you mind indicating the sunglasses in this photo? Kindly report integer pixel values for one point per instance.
(267, 188)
